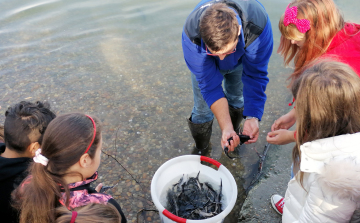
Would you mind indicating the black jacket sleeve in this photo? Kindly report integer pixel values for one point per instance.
(113, 202)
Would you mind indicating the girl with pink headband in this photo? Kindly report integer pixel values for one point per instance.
(62, 170)
(312, 29)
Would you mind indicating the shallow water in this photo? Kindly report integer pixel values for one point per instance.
(122, 61)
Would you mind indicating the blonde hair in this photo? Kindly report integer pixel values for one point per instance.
(325, 21)
(2, 138)
(91, 213)
(327, 103)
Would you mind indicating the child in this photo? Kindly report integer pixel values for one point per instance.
(63, 169)
(326, 189)
(25, 124)
(91, 213)
(311, 29)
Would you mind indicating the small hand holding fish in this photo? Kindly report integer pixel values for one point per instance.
(98, 187)
(251, 128)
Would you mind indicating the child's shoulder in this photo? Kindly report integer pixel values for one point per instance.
(83, 197)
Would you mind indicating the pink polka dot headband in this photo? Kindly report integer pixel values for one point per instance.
(303, 25)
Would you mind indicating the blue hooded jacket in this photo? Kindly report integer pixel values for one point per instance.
(253, 51)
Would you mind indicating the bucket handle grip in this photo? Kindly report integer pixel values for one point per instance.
(173, 217)
(209, 160)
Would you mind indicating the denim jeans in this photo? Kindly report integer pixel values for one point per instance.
(233, 90)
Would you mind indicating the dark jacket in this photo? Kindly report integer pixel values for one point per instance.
(82, 194)
(12, 172)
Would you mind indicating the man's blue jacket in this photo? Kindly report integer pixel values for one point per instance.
(253, 51)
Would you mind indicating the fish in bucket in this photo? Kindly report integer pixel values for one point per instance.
(174, 169)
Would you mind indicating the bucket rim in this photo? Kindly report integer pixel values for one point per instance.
(194, 158)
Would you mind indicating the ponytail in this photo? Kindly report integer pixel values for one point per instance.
(42, 190)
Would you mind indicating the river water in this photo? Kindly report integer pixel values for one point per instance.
(122, 61)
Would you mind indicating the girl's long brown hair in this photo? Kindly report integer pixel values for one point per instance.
(91, 213)
(65, 141)
(325, 20)
(327, 103)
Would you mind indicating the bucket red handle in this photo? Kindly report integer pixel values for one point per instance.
(209, 160)
(173, 217)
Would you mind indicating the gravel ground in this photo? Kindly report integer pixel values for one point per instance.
(257, 206)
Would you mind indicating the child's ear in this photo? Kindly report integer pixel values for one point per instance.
(32, 148)
(85, 160)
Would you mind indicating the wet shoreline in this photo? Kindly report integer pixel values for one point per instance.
(122, 62)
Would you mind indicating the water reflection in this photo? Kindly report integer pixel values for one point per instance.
(122, 61)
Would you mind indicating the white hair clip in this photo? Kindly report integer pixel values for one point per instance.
(38, 158)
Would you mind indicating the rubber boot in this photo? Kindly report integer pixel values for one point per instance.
(201, 133)
(202, 152)
(236, 116)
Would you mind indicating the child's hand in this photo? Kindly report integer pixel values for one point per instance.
(285, 121)
(280, 137)
(98, 187)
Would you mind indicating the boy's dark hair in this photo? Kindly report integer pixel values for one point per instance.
(25, 123)
(218, 26)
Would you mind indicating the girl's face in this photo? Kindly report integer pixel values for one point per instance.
(96, 161)
(86, 166)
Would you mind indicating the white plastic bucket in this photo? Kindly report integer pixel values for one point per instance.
(171, 172)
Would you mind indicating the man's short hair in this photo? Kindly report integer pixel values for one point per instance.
(25, 123)
(218, 26)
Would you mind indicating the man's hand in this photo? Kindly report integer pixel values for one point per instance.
(285, 121)
(251, 128)
(220, 108)
(280, 137)
(226, 134)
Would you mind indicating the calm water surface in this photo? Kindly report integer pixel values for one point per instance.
(122, 61)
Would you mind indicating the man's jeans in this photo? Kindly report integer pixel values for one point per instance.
(233, 89)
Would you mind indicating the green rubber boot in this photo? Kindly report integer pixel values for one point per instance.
(201, 133)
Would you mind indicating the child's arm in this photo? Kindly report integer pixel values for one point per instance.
(285, 122)
(281, 137)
